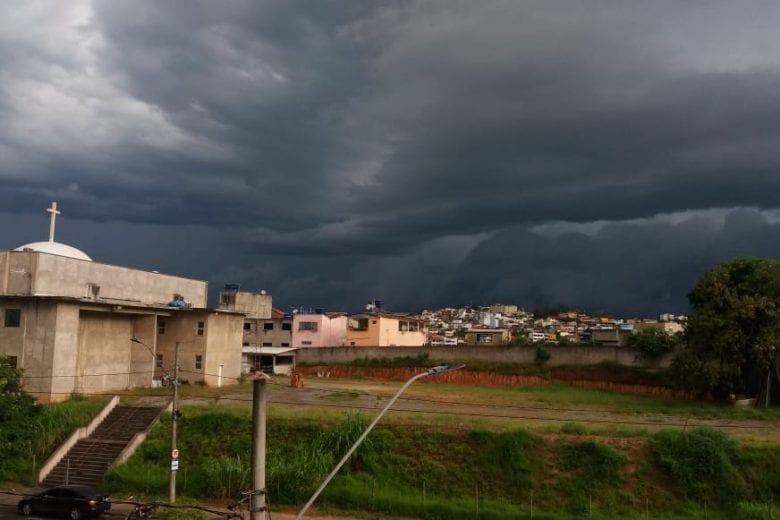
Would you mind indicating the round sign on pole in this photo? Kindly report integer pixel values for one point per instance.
(175, 453)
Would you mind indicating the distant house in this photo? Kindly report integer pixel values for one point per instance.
(488, 337)
(438, 340)
(670, 327)
(614, 337)
(385, 330)
(536, 336)
(502, 308)
(319, 329)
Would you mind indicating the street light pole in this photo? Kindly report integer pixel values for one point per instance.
(174, 423)
(174, 465)
(431, 371)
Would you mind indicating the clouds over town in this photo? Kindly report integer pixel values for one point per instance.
(427, 153)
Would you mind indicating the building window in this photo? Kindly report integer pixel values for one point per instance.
(268, 325)
(245, 344)
(308, 325)
(198, 361)
(201, 326)
(159, 360)
(161, 327)
(13, 317)
(12, 360)
(484, 338)
(305, 342)
(267, 344)
(285, 344)
(287, 326)
(247, 325)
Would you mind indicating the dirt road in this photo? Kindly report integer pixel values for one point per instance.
(371, 396)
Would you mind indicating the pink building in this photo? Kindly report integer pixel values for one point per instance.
(319, 329)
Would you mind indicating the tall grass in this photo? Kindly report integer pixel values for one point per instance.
(432, 473)
(41, 433)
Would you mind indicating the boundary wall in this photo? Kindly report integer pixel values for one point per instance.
(559, 355)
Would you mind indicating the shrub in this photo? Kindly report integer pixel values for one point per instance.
(542, 355)
(701, 462)
(591, 462)
(573, 428)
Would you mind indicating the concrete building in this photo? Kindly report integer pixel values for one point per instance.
(505, 309)
(385, 330)
(68, 323)
(267, 332)
(488, 337)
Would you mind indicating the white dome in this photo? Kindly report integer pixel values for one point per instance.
(55, 248)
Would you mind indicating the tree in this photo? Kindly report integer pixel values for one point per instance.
(14, 402)
(653, 343)
(17, 408)
(732, 332)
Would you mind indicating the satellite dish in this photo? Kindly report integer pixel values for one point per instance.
(262, 292)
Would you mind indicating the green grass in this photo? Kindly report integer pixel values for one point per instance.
(431, 472)
(589, 399)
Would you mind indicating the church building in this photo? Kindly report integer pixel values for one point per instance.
(78, 326)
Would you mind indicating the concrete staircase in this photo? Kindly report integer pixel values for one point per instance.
(89, 459)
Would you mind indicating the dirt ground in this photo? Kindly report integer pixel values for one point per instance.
(368, 396)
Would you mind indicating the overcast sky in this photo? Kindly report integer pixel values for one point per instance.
(594, 153)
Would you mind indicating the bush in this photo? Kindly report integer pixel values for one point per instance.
(701, 462)
(574, 428)
(591, 462)
(542, 355)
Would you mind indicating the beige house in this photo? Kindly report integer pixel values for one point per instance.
(385, 330)
(68, 323)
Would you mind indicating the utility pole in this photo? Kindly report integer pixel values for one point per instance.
(174, 421)
(258, 501)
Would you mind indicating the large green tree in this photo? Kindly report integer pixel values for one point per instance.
(733, 331)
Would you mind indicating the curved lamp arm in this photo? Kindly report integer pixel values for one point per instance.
(431, 371)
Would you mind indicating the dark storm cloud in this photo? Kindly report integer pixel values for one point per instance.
(318, 144)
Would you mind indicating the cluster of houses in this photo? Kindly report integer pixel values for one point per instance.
(78, 326)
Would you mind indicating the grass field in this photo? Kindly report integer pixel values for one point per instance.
(432, 461)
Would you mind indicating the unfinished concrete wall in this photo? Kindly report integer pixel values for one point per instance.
(225, 332)
(42, 274)
(32, 343)
(16, 273)
(559, 356)
(143, 359)
(255, 306)
(104, 352)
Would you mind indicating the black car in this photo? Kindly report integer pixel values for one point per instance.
(71, 502)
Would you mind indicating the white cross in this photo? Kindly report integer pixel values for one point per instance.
(54, 213)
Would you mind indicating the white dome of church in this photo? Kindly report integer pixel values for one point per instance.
(54, 248)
